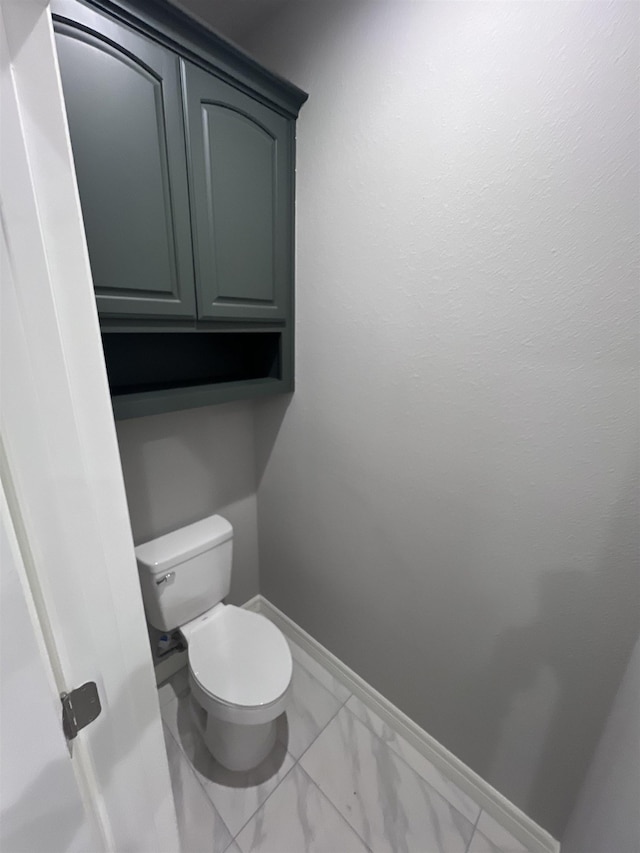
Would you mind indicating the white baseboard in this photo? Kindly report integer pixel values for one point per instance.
(527, 831)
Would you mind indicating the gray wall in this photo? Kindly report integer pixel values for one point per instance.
(183, 466)
(605, 819)
(448, 503)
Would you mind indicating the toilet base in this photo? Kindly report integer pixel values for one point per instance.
(234, 745)
(239, 747)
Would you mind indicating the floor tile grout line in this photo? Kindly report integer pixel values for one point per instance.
(166, 726)
(197, 778)
(397, 754)
(253, 814)
(331, 676)
(327, 795)
(266, 799)
(334, 807)
(295, 761)
(324, 686)
(369, 728)
(233, 837)
(169, 682)
(495, 844)
(413, 770)
(328, 723)
(473, 832)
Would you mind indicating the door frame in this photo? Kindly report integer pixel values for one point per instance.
(60, 463)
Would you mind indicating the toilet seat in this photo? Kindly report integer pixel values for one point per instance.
(239, 660)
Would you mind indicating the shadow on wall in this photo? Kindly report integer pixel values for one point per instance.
(538, 671)
(269, 416)
(180, 467)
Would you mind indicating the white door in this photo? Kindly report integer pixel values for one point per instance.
(59, 459)
(41, 805)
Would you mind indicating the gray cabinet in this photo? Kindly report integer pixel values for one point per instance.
(184, 150)
(240, 182)
(122, 93)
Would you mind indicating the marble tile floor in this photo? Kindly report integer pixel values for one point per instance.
(339, 780)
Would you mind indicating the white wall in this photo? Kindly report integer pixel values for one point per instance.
(448, 503)
(605, 818)
(183, 466)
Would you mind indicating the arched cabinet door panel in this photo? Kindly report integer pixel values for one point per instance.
(123, 99)
(240, 168)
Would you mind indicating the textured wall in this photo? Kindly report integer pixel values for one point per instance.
(184, 466)
(605, 819)
(449, 503)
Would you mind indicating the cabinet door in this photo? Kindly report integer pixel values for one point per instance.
(241, 178)
(124, 107)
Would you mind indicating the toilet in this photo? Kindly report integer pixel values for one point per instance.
(240, 664)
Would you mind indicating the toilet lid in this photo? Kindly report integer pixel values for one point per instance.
(240, 658)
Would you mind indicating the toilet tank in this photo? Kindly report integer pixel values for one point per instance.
(186, 572)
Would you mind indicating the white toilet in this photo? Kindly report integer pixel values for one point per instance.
(240, 664)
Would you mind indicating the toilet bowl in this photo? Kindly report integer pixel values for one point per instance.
(240, 664)
(240, 670)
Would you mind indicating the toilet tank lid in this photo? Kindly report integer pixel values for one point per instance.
(173, 548)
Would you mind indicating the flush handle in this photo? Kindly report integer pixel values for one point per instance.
(165, 578)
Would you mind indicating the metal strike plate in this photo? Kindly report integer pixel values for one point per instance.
(79, 708)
